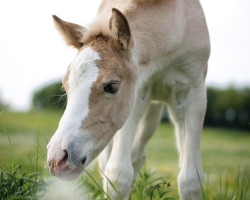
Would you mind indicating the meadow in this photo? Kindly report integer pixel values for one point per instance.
(225, 156)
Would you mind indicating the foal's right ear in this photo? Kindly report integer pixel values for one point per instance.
(72, 33)
(119, 26)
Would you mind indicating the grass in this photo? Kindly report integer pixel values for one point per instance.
(16, 185)
(146, 187)
(22, 129)
(23, 139)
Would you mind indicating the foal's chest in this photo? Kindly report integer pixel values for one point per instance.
(163, 79)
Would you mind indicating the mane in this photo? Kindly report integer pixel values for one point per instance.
(100, 26)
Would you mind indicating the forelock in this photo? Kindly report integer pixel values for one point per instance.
(83, 67)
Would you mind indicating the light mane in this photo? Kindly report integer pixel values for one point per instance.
(100, 25)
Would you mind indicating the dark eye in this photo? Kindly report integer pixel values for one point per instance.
(112, 87)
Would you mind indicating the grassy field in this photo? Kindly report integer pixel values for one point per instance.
(225, 152)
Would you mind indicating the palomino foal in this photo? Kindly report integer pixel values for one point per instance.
(135, 56)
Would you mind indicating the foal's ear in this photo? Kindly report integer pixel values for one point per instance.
(118, 24)
(72, 33)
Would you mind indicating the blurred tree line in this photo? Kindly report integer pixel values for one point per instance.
(51, 96)
(228, 107)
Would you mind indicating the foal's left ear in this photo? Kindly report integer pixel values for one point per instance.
(118, 24)
(72, 33)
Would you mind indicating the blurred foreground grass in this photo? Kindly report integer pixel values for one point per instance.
(23, 139)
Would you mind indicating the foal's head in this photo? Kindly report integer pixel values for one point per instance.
(100, 94)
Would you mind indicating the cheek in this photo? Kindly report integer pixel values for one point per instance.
(103, 120)
(122, 110)
(117, 111)
(126, 99)
(107, 115)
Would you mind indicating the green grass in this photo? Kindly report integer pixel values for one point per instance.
(22, 129)
(223, 150)
(225, 156)
(16, 185)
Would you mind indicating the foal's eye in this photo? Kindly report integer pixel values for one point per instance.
(112, 87)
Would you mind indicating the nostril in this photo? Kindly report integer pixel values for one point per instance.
(63, 163)
(65, 158)
(83, 160)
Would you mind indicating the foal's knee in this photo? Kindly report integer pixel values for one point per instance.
(121, 176)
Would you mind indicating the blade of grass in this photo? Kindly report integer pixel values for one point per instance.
(13, 160)
(220, 189)
(37, 141)
(113, 186)
(91, 177)
(236, 184)
(201, 186)
(226, 189)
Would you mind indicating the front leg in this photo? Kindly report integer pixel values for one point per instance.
(119, 169)
(104, 157)
(145, 130)
(187, 110)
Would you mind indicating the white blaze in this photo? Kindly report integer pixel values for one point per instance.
(83, 74)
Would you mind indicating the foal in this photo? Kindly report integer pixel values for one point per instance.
(135, 56)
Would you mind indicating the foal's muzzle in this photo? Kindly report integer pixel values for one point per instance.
(67, 166)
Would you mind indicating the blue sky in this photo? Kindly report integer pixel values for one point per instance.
(32, 53)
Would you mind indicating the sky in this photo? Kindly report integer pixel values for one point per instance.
(33, 54)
